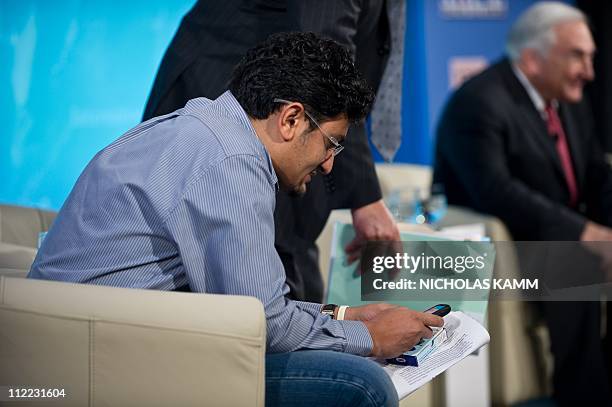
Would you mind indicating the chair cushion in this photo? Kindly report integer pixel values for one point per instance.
(15, 260)
(20, 225)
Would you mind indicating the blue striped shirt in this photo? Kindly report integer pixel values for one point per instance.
(187, 199)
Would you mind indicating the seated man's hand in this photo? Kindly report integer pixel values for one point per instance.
(597, 239)
(371, 222)
(397, 329)
(366, 312)
(594, 232)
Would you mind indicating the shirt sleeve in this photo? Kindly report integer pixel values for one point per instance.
(223, 227)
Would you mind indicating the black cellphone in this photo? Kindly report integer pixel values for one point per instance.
(439, 310)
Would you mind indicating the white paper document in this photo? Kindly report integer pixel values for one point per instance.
(465, 337)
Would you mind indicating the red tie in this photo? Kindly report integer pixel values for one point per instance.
(555, 129)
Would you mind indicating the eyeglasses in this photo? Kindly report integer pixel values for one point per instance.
(336, 146)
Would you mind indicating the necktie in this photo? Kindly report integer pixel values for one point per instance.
(386, 123)
(555, 129)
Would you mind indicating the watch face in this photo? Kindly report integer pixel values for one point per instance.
(328, 309)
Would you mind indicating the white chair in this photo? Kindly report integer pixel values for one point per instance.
(111, 346)
(122, 347)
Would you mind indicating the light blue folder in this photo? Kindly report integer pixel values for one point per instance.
(344, 285)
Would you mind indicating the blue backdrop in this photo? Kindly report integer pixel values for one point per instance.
(76, 75)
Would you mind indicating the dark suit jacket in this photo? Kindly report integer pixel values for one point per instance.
(210, 41)
(493, 154)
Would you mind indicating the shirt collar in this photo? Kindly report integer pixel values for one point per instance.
(231, 105)
(534, 95)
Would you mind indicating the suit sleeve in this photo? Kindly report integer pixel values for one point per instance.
(354, 177)
(338, 20)
(471, 138)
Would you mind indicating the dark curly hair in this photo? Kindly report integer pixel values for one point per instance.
(301, 67)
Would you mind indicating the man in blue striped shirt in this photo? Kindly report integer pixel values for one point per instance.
(185, 201)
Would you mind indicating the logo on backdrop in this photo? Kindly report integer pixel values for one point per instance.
(477, 9)
(460, 69)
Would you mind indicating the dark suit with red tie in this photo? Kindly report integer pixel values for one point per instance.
(494, 154)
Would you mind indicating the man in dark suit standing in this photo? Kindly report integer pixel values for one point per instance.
(517, 142)
(212, 39)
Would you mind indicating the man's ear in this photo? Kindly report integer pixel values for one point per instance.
(532, 62)
(289, 119)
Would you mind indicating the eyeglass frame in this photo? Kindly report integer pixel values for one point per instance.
(336, 146)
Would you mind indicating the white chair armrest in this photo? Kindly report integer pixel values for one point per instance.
(117, 346)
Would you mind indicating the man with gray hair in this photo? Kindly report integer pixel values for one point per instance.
(517, 142)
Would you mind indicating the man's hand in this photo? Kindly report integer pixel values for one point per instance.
(594, 232)
(371, 222)
(366, 312)
(397, 329)
(597, 239)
